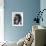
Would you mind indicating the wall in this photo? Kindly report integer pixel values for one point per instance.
(28, 7)
(1, 20)
(43, 6)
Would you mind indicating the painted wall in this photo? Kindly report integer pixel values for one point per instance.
(43, 6)
(29, 8)
(1, 20)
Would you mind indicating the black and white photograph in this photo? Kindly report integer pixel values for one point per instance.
(17, 18)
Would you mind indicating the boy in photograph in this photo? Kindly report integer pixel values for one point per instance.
(17, 19)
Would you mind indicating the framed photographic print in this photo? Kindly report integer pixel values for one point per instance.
(17, 18)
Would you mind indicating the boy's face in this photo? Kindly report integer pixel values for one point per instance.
(16, 20)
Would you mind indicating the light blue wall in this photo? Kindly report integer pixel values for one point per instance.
(28, 7)
(43, 6)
